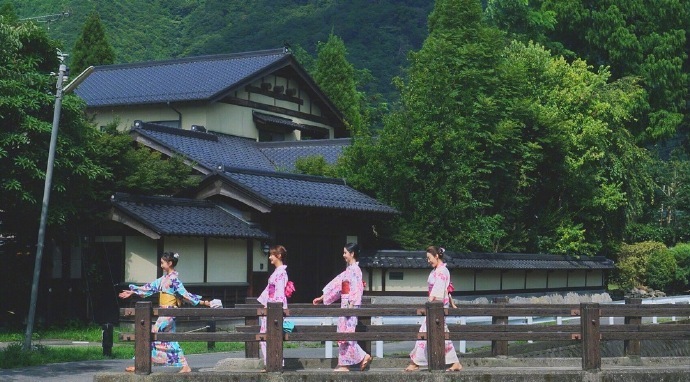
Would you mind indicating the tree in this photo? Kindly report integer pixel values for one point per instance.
(92, 46)
(336, 77)
(499, 148)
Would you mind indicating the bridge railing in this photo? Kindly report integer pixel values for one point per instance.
(589, 332)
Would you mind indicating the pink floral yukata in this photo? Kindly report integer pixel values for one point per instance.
(438, 281)
(347, 287)
(166, 353)
(274, 292)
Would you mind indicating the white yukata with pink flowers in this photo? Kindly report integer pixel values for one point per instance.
(274, 292)
(347, 287)
(438, 281)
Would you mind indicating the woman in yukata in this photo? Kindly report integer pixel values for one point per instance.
(347, 287)
(438, 282)
(275, 290)
(172, 292)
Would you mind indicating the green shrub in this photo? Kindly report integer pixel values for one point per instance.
(681, 254)
(633, 259)
(661, 270)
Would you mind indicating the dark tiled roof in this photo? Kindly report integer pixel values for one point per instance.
(282, 189)
(417, 259)
(187, 79)
(207, 149)
(284, 154)
(184, 217)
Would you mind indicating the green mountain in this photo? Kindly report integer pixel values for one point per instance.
(377, 34)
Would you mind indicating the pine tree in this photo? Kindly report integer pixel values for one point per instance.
(92, 46)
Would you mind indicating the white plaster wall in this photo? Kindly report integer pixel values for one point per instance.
(227, 260)
(557, 279)
(594, 278)
(536, 279)
(260, 262)
(463, 279)
(576, 279)
(414, 280)
(190, 265)
(514, 280)
(141, 261)
(489, 280)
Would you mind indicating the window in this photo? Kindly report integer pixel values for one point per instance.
(395, 276)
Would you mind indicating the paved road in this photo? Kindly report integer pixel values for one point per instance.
(85, 371)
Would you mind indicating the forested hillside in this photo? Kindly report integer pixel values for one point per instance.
(378, 34)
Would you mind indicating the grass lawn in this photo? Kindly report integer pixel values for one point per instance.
(13, 356)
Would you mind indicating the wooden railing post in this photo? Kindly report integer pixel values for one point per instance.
(142, 337)
(362, 324)
(435, 335)
(631, 348)
(251, 348)
(211, 328)
(274, 337)
(499, 348)
(591, 337)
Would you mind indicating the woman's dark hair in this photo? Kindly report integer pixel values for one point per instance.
(436, 251)
(279, 250)
(353, 248)
(172, 257)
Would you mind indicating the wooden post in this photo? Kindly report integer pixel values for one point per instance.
(251, 348)
(362, 323)
(210, 345)
(435, 335)
(591, 337)
(499, 348)
(274, 337)
(631, 348)
(142, 337)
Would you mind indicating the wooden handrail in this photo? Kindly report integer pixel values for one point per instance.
(588, 333)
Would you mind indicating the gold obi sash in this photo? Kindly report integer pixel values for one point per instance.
(168, 300)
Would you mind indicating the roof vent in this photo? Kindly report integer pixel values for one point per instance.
(278, 89)
(266, 86)
(291, 92)
(198, 128)
(138, 123)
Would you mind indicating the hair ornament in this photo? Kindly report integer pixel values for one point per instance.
(176, 255)
(441, 250)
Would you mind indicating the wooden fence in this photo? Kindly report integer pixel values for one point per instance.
(589, 333)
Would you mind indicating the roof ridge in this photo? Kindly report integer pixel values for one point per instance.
(209, 57)
(148, 126)
(285, 175)
(306, 142)
(169, 200)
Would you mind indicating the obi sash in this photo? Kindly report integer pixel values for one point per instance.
(167, 299)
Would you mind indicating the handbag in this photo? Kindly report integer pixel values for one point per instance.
(288, 326)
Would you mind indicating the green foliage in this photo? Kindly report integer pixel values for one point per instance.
(336, 78)
(632, 264)
(661, 270)
(315, 165)
(27, 113)
(681, 254)
(92, 46)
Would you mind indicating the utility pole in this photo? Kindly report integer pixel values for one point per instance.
(61, 76)
(46, 197)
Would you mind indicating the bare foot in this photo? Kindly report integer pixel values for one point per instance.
(365, 362)
(412, 367)
(186, 369)
(129, 369)
(341, 368)
(455, 367)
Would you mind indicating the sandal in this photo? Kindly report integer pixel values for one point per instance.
(365, 362)
(454, 367)
(412, 367)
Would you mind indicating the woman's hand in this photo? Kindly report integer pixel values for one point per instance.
(125, 294)
(317, 300)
